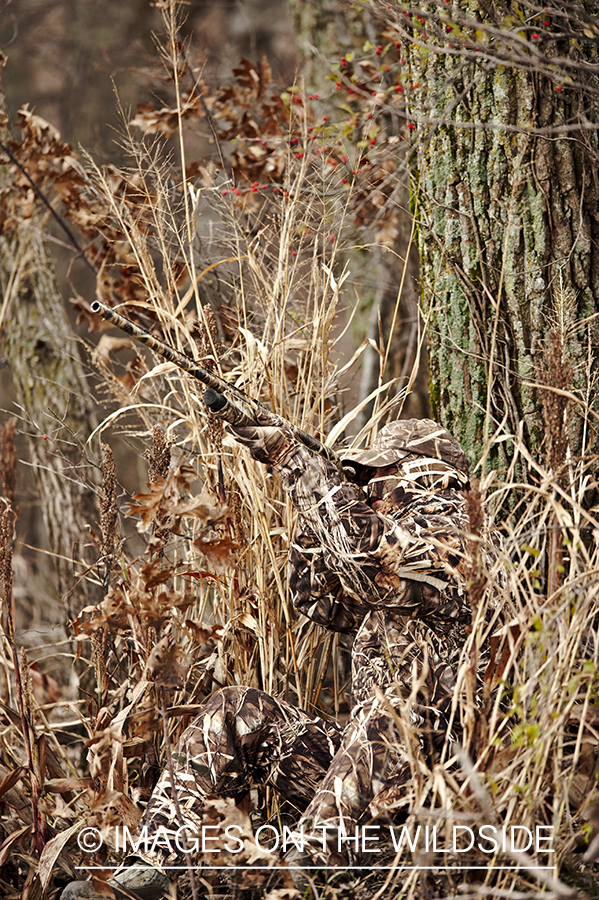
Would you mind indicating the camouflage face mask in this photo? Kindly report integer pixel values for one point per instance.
(383, 482)
(426, 454)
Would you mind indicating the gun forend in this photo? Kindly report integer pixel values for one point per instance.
(220, 405)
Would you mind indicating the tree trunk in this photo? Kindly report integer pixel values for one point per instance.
(508, 225)
(57, 410)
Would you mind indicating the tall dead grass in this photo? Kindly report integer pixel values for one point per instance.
(204, 602)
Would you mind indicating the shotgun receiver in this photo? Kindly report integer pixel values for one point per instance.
(221, 398)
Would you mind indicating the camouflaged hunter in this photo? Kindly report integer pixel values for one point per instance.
(390, 570)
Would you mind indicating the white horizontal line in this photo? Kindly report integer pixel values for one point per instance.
(323, 868)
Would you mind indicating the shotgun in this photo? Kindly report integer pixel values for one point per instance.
(222, 399)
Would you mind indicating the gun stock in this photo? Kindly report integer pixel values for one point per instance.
(221, 398)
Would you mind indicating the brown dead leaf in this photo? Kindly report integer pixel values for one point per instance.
(52, 851)
(35, 126)
(101, 886)
(112, 613)
(100, 751)
(11, 779)
(63, 785)
(107, 344)
(284, 893)
(166, 502)
(164, 666)
(166, 120)
(15, 838)
(221, 552)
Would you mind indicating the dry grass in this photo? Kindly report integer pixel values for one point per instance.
(205, 603)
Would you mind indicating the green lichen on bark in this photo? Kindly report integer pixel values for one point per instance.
(505, 212)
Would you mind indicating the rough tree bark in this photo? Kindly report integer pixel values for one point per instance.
(42, 352)
(507, 204)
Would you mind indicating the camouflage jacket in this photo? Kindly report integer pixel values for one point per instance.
(394, 577)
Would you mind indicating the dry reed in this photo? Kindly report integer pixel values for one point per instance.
(205, 603)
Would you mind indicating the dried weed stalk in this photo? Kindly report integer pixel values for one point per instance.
(8, 461)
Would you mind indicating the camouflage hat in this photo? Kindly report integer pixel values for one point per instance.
(421, 437)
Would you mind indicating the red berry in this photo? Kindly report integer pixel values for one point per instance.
(546, 24)
(558, 88)
(345, 181)
(398, 89)
(338, 86)
(225, 193)
(411, 126)
(325, 118)
(535, 36)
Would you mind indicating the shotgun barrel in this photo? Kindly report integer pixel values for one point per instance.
(222, 399)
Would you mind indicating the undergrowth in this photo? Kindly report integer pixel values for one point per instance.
(241, 266)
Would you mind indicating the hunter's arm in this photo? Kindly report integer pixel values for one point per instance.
(347, 559)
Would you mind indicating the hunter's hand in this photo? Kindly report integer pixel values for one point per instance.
(270, 440)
